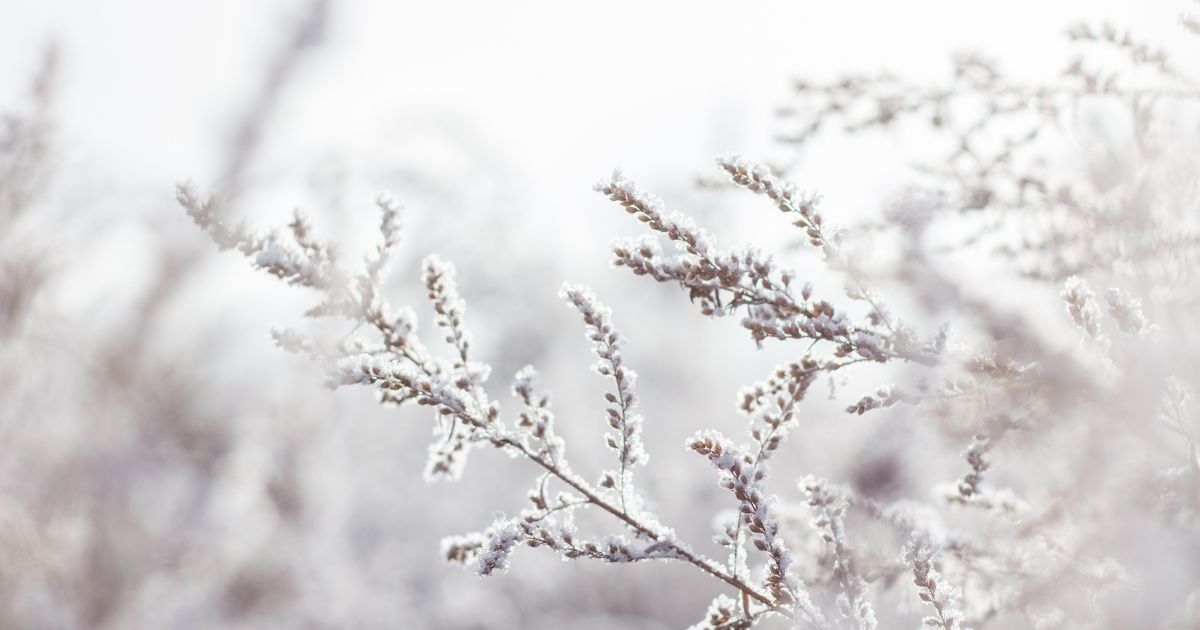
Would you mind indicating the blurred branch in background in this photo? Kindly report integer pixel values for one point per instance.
(24, 173)
(304, 37)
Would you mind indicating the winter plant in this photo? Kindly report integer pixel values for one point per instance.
(1074, 437)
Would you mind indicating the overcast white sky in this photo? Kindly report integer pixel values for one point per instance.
(551, 94)
(571, 87)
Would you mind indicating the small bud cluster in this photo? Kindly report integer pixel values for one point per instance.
(724, 613)
(758, 179)
(501, 537)
(1082, 307)
(771, 405)
(537, 421)
(969, 486)
(884, 396)
(919, 554)
(648, 209)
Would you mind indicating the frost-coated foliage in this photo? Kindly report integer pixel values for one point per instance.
(1075, 442)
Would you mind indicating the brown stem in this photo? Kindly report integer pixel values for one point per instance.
(592, 497)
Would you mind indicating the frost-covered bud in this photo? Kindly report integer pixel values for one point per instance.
(870, 345)
(1126, 310)
(724, 613)
(502, 536)
(1081, 306)
(884, 396)
(463, 549)
(919, 554)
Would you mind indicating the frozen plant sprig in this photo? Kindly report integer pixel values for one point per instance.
(759, 179)
(919, 553)
(724, 282)
(626, 437)
(404, 371)
(740, 475)
(884, 396)
(537, 420)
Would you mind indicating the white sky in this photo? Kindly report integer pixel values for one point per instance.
(553, 94)
(563, 86)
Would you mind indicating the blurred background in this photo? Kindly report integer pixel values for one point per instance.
(164, 465)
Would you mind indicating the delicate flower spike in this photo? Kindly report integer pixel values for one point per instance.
(390, 229)
(1082, 307)
(447, 304)
(204, 213)
(919, 554)
(980, 445)
(301, 260)
(883, 396)
(649, 210)
(758, 179)
(447, 456)
(502, 536)
(537, 420)
(771, 406)
(626, 437)
(723, 282)
(739, 475)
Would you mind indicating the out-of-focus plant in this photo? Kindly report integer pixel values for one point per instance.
(1004, 165)
(24, 173)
